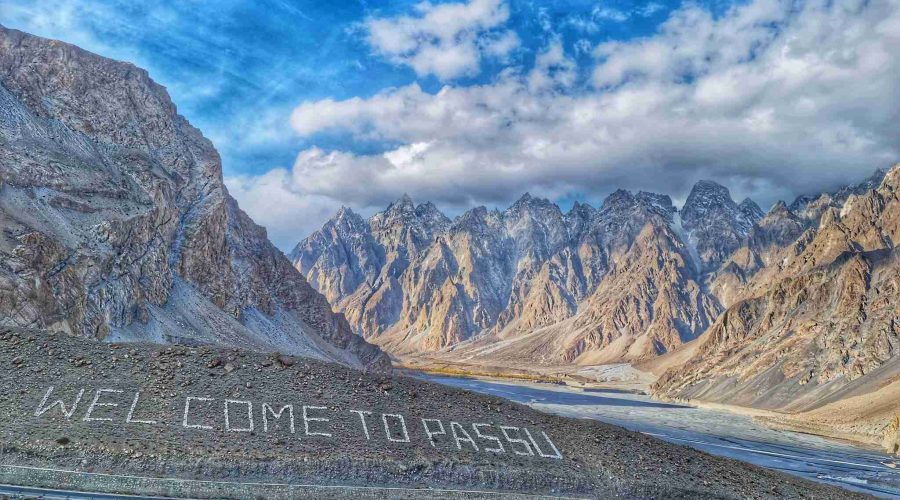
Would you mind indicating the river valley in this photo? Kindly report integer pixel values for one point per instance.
(714, 431)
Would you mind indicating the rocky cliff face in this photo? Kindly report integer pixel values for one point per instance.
(716, 225)
(116, 223)
(528, 283)
(816, 324)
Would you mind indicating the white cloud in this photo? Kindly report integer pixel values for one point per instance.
(609, 14)
(446, 40)
(272, 201)
(649, 9)
(552, 69)
(583, 46)
(772, 98)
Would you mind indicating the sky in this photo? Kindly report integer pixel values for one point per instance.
(317, 105)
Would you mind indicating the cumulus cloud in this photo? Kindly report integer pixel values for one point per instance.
(772, 98)
(446, 40)
(274, 202)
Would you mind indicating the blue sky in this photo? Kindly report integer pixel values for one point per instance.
(238, 68)
(314, 105)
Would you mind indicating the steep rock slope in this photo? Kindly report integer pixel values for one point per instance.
(715, 224)
(116, 223)
(762, 250)
(818, 325)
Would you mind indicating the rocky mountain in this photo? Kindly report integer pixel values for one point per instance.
(715, 224)
(116, 223)
(815, 320)
(811, 206)
(792, 310)
(530, 283)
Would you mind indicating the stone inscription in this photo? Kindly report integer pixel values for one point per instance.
(205, 413)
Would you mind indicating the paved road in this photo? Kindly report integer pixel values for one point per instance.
(714, 431)
(13, 491)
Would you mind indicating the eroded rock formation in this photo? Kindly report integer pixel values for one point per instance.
(530, 283)
(116, 223)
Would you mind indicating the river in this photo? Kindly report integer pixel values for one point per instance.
(718, 432)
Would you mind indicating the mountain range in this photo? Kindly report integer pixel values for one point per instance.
(619, 282)
(792, 310)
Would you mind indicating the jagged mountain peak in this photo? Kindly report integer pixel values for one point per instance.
(711, 199)
(780, 207)
(621, 202)
(583, 211)
(534, 208)
(432, 218)
(617, 197)
(662, 202)
(346, 213)
(474, 217)
(813, 205)
(528, 200)
(346, 221)
(890, 179)
(751, 210)
(706, 195)
(716, 226)
(581, 206)
(403, 204)
(707, 186)
(404, 211)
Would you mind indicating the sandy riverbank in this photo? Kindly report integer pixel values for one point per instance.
(867, 420)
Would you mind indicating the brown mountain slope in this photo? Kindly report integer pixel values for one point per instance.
(116, 223)
(818, 326)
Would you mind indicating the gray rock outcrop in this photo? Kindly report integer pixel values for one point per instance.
(116, 223)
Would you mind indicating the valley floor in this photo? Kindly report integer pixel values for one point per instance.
(717, 430)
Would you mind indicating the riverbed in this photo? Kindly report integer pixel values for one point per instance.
(718, 432)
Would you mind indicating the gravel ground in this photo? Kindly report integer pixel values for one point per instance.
(230, 434)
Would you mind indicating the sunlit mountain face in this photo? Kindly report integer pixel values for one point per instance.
(318, 105)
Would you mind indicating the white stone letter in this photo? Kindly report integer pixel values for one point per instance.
(187, 409)
(95, 403)
(387, 430)
(130, 419)
(307, 419)
(362, 418)
(513, 441)
(266, 407)
(453, 428)
(430, 433)
(489, 438)
(556, 454)
(228, 426)
(41, 409)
